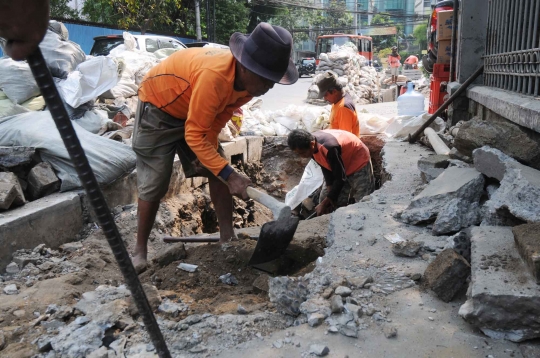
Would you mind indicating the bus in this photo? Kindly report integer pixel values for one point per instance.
(363, 43)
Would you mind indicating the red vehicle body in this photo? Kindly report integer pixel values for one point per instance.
(431, 57)
(363, 43)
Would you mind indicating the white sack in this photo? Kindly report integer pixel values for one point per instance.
(91, 79)
(109, 159)
(93, 120)
(402, 126)
(8, 108)
(311, 180)
(17, 81)
(62, 57)
(372, 124)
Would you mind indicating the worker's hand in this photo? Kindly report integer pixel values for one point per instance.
(238, 184)
(325, 207)
(23, 24)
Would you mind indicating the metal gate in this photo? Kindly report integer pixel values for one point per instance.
(512, 60)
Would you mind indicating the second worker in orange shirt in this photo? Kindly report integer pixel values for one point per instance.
(184, 102)
(343, 115)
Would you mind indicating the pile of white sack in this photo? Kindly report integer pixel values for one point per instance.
(358, 79)
(282, 122)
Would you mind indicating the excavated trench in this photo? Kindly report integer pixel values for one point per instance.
(279, 171)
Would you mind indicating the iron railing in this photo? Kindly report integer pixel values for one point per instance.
(512, 59)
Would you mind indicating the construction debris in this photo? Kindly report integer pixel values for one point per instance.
(447, 274)
(528, 245)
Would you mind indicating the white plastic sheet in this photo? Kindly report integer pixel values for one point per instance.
(92, 78)
(62, 57)
(109, 159)
(402, 126)
(310, 181)
(373, 124)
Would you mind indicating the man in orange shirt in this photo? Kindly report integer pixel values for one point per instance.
(184, 102)
(345, 162)
(343, 115)
(411, 62)
(394, 61)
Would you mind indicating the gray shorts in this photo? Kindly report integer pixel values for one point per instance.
(157, 138)
(394, 71)
(358, 185)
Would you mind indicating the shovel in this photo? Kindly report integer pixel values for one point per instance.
(275, 235)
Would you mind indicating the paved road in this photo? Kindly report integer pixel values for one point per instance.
(281, 96)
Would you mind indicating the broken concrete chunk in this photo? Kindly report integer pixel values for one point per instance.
(460, 243)
(319, 350)
(492, 162)
(152, 295)
(528, 244)
(390, 331)
(42, 181)
(343, 291)
(12, 157)
(518, 195)
(455, 215)
(288, 293)
(260, 284)
(8, 194)
(22, 258)
(12, 268)
(336, 304)
(407, 248)
(70, 247)
(447, 274)
(315, 319)
(504, 296)
(454, 183)
(432, 166)
(360, 281)
(228, 279)
(11, 289)
(456, 154)
(187, 267)
(170, 254)
(11, 178)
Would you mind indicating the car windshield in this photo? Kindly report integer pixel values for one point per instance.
(308, 61)
(102, 47)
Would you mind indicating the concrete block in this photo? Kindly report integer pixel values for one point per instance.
(432, 166)
(12, 157)
(235, 148)
(254, 148)
(11, 178)
(8, 193)
(42, 181)
(52, 221)
(528, 245)
(503, 299)
(454, 183)
(518, 194)
(455, 215)
(447, 274)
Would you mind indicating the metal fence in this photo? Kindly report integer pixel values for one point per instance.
(512, 60)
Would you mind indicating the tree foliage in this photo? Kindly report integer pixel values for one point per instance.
(61, 9)
(101, 11)
(420, 36)
(144, 14)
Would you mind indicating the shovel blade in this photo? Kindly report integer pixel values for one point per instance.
(274, 239)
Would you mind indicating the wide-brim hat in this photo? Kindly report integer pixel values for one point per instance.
(328, 81)
(266, 52)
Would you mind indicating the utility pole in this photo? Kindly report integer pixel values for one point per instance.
(198, 20)
(355, 17)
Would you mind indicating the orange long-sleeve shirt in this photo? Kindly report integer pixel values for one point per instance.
(197, 85)
(343, 116)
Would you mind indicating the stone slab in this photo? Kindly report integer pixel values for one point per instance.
(12, 157)
(528, 244)
(8, 194)
(254, 148)
(492, 162)
(52, 220)
(431, 167)
(42, 181)
(503, 299)
(237, 147)
(7, 177)
(447, 274)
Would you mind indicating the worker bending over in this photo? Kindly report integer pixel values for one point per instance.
(345, 163)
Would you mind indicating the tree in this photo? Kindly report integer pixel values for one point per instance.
(144, 14)
(420, 36)
(231, 16)
(383, 41)
(61, 9)
(100, 11)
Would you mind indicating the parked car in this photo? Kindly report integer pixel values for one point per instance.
(206, 44)
(149, 43)
(306, 66)
(430, 58)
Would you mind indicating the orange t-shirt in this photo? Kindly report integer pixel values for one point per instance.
(197, 85)
(411, 60)
(394, 61)
(344, 117)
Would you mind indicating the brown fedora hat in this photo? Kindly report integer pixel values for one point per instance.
(266, 52)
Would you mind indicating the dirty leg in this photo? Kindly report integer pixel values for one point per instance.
(146, 215)
(223, 202)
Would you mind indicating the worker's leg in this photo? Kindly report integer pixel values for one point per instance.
(155, 138)
(362, 182)
(223, 203)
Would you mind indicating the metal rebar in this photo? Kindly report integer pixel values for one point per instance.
(88, 180)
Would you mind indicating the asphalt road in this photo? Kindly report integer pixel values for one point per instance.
(281, 96)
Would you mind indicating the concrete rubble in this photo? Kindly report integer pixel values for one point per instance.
(503, 296)
(447, 274)
(42, 181)
(528, 245)
(432, 166)
(451, 200)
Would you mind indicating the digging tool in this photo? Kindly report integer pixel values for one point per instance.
(88, 180)
(200, 239)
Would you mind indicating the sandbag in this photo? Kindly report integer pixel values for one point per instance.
(92, 78)
(61, 56)
(35, 104)
(109, 159)
(8, 108)
(17, 81)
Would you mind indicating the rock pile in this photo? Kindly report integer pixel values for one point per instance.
(358, 78)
